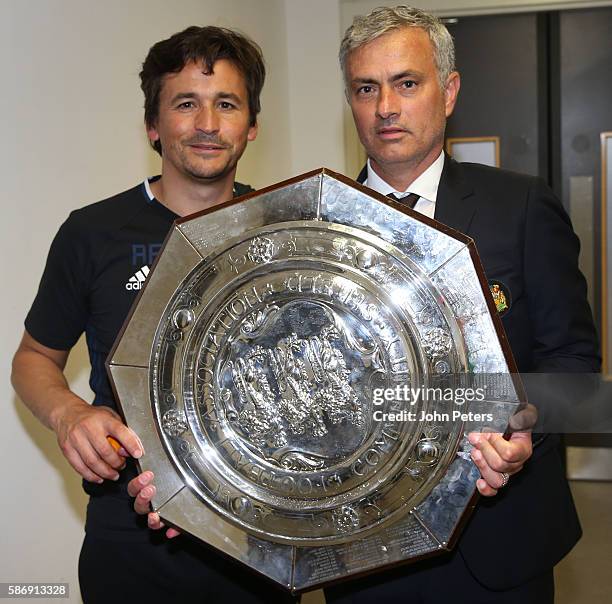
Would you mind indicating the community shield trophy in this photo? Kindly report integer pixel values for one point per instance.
(275, 365)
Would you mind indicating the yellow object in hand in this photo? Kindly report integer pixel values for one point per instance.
(115, 444)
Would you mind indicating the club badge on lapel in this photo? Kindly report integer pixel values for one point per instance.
(501, 297)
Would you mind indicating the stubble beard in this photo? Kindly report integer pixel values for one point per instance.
(411, 157)
(198, 170)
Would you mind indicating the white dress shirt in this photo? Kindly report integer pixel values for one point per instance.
(425, 186)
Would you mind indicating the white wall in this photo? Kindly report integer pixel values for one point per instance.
(71, 127)
(315, 89)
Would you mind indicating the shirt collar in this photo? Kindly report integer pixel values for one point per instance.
(425, 186)
(147, 185)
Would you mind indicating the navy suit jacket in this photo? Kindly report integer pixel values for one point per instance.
(525, 241)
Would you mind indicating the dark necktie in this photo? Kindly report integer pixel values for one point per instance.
(409, 200)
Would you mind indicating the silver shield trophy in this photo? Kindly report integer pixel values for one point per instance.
(251, 363)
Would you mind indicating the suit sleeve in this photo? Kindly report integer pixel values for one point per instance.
(564, 335)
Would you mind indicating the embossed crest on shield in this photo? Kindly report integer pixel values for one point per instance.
(250, 363)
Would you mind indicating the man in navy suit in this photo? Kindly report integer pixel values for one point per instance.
(401, 84)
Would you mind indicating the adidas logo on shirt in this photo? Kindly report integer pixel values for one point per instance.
(136, 280)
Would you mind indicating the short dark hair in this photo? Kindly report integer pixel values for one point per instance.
(207, 45)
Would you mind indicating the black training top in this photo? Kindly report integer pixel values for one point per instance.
(96, 265)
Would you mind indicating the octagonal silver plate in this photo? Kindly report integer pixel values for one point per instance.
(249, 363)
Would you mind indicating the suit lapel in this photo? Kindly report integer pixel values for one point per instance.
(363, 175)
(456, 202)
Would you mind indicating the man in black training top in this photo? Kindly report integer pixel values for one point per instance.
(201, 89)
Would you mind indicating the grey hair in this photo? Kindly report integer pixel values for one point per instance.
(385, 19)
